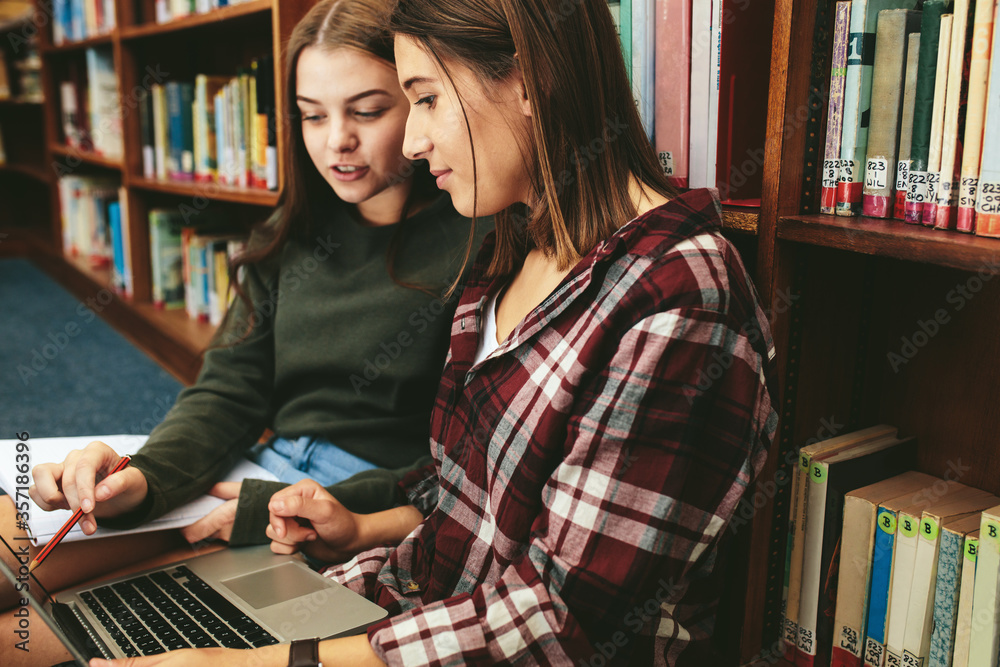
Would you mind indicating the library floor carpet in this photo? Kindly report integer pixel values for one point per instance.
(64, 371)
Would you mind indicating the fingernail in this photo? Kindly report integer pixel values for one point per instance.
(103, 492)
(278, 505)
(86, 505)
(311, 537)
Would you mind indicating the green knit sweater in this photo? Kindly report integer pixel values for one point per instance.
(339, 351)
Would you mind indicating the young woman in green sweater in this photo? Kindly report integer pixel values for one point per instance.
(338, 337)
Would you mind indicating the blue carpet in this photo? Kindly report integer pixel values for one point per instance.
(64, 371)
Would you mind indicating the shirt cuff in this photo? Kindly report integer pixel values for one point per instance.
(420, 487)
(251, 512)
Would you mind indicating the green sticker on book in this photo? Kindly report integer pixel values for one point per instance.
(908, 526)
(971, 548)
(887, 523)
(991, 530)
(817, 473)
(929, 528)
(803, 462)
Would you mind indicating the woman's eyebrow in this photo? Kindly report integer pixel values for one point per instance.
(413, 80)
(367, 93)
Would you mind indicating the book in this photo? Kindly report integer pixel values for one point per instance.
(644, 61)
(930, 31)
(205, 140)
(857, 100)
(920, 611)
(160, 138)
(830, 478)
(714, 84)
(701, 75)
(988, 197)
(882, 592)
(625, 34)
(975, 115)
(937, 119)
(673, 78)
(165, 253)
(891, 41)
(835, 112)
(148, 138)
(951, 561)
(103, 103)
(901, 589)
(860, 509)
(180, 154)
(42, 526)
(983, 640)
(742, 81)
(944, 209)
(906, 126)
(793, 633)
(963, 618)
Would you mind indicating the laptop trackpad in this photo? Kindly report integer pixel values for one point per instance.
(274, 585)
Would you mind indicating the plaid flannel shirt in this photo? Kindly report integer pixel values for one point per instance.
(585, 471)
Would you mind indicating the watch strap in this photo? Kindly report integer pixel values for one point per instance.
(304, 653)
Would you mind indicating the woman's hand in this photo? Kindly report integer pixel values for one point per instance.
(217, 524)
(79, 482)
(306, 516)
(205, 657)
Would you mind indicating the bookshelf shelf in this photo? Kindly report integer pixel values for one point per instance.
(193, 335)
(741, 218)
(71, 47)
(892, 238)
(87, 157)
(212, 191)
(197, 20)
(36, 172)
(19, 102)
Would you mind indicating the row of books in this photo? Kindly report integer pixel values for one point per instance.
(28, 69)
(169, 10)
(699, 71)
(914, 114)
(89, 209)
(190, 267)
(883, 563)
(73, 20)
(90, 114)
(216, 129)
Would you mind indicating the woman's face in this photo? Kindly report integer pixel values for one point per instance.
(353, 121)
(437, 131)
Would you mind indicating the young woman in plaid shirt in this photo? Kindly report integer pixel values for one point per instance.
(607, 397)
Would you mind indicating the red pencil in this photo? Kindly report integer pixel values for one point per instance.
(77, 515)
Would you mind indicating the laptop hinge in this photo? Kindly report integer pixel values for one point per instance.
(83, 639)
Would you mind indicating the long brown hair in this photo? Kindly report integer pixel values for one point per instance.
(329, 25)
(587, 137)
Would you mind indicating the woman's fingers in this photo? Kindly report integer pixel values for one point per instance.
(46, 491)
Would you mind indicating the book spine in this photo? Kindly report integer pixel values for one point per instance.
(835, 113)
(905, 552)
(145, 103)
(857, 98)
(798, 549)
(945, 207)
(983, 637)
(673, 76)
(920, 612)
(878, 599)
(200, 129)
(789, 625)
(714, 83)
(625, 35)
(963, 621)
(975, 115)
(886, 109)
(643, 60)
(154, 256)
(930, 31)
(949, 570)
(858, 540)
(805, 654)
(906, 126)
(937, 120)
(988, 197)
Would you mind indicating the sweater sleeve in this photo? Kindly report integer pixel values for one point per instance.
(218, 418)
(365, 493)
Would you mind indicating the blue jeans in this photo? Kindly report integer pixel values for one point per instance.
(307, 458)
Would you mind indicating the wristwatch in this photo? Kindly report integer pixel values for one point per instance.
(304, 653)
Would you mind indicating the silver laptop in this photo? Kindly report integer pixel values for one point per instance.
(237, 598)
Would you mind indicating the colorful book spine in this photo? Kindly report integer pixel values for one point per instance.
(644, 60)
(906, 126)
(798, 549)
(963, 619)
(878, 599)
(701, 44)
(988, 198)
(160, 138)
(894, 26)
(930, 31)
(903, 558)
(714, 83)
(835, 113)
(625, 34)
(944, 210)
(673, 77)
(805, 654)
(937, 120)
(951, 560)
(983, 640)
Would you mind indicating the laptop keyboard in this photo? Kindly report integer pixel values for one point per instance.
(171, 609)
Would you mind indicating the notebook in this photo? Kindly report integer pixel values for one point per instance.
(237, 598)
(42, 526)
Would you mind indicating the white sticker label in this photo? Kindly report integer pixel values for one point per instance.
(989, 197)
(667, 162)
(903, 175)
(831, 169)
(893, 660)
(933, 179)
(917, 194)
(847, 170)
(877, 174)
(874, 652)
(967, 193)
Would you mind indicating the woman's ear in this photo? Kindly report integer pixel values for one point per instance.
(517, 79)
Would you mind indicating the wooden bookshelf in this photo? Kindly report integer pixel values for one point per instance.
(211, 191)
(80, 45)
(197, 20)
(68, 155)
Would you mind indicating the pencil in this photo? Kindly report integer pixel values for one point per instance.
(72, 521)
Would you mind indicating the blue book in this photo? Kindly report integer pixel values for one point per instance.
(180, 156)
(77, 23)
(878, 596)
(117, 245)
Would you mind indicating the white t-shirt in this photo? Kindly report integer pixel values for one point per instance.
(488, 336)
